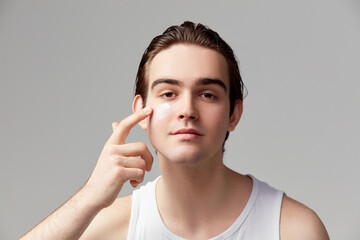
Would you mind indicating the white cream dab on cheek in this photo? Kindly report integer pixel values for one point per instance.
(165, 106)
(160, 112)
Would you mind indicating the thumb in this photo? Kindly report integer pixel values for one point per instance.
(114, 125)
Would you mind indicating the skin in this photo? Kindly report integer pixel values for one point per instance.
(208, 189)
(116, 165)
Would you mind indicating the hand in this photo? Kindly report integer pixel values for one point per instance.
(119, 163)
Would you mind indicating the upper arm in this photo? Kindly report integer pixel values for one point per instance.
(111, 222)
(300, 222)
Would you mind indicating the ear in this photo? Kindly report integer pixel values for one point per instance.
(137, 105)
(236, 115)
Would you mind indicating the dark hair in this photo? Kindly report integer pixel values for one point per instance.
(191, 33)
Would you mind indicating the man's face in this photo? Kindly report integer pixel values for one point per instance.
(189, 94)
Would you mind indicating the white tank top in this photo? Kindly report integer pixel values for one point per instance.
(259, 220)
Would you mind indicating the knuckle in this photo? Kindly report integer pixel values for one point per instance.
(119, 161)
(139, 174)
(142, 146)
(121, 171)
(112, 150)
(142, 163)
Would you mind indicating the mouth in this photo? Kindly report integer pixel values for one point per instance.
(187, 134)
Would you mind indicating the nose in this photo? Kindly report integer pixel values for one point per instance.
(187, 109)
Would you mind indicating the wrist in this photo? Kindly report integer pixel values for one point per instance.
(87, 202)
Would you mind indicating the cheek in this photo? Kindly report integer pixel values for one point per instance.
(159, 123)
(219, 119)
(161, 113)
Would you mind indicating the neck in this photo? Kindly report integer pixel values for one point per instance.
(195, 180)
(194, 192)
(191, 197)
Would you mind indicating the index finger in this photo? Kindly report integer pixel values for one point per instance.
(123, 129)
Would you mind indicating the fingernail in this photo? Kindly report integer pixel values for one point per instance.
(147, 109)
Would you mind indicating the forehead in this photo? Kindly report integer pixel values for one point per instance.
(187, 63)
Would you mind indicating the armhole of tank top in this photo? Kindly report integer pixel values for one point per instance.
(277, 196)
(134, 214)
(280, 200)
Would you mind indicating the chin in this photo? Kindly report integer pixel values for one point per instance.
(185, 156)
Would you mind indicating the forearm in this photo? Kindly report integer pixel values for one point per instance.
(117, 164)
(67, 222)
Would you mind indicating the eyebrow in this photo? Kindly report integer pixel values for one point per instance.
(200, 82)
(166, 81)
(209, 81)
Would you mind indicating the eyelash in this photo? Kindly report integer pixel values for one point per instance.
(165, 95)
(206, 95)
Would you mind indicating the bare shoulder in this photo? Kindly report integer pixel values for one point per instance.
(111, 222)
(297, 221)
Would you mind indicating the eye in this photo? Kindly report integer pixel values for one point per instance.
(168, 95)
(208, 95)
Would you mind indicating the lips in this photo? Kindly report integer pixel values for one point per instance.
(187, 134)
(187, 131)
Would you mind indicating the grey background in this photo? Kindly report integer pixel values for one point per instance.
(67, 70)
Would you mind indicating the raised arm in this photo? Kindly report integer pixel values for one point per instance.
(117, 164)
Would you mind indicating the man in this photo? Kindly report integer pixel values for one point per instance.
(189, 97)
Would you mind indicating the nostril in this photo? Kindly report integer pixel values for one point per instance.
(187, 117)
